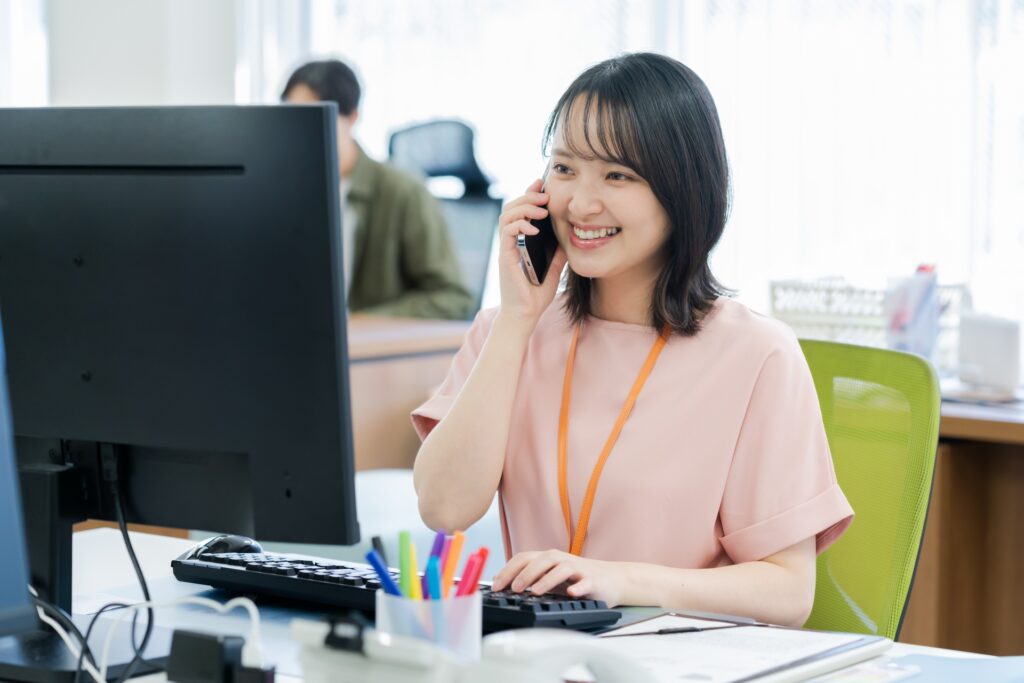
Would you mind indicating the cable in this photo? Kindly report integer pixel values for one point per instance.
(252, 651)
(75, 651)
(88, 632)
(62, 617)
(140, 648)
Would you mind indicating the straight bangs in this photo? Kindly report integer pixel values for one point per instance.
(609, 128)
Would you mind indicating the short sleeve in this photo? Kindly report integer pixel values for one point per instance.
(781, 487)
(425, 417)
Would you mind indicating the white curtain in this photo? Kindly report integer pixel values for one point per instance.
(23, 54)
(865, 136)
(272, 38)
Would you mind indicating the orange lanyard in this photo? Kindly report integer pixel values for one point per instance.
(576, 539)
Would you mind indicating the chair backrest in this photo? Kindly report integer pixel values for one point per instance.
(472, 223)
(881, 411)
(442, 148)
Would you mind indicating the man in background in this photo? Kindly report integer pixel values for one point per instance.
(399, 259)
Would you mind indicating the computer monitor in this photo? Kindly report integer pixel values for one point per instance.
(16, 612)
(172, 290)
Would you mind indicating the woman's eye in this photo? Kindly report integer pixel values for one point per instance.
(560, 168)
(617, 176)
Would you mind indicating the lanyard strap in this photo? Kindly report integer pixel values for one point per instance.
(576, 539)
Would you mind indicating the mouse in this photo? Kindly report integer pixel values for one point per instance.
(227, 543)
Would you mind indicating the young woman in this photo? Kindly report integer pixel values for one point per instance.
(653, 442)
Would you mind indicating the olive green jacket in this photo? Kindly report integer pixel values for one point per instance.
(404, 263)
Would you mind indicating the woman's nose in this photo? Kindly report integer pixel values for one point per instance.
(584, 202)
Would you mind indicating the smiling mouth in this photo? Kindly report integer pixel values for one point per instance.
(595, 234)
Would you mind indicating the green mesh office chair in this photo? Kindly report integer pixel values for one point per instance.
(881, 412)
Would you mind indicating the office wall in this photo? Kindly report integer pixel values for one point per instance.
(126, 52)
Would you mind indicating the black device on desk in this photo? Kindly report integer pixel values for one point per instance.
(239, 565)
(171, 286)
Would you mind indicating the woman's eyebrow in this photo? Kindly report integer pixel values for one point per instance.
(568, 154)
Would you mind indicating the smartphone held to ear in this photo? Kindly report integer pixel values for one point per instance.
(536, 251)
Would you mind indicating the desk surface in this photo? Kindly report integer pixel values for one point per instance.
(372, 338)
(102, 572)
(996, 423)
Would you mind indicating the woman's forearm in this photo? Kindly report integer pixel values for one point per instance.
(459, 464)
(777, 590)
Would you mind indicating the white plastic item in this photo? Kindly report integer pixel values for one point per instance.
(989, 353)
(542, 655)
(384, 659)
(453, 624)
(520, 656)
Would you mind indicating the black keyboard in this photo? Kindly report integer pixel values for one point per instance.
(348, 585)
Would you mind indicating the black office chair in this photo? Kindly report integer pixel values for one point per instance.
(444, 148)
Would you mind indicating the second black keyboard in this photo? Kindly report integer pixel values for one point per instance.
(338, 584)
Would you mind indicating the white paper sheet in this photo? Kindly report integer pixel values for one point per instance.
(722, 655)
(665, 621)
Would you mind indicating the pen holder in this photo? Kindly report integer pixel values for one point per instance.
(453, 624)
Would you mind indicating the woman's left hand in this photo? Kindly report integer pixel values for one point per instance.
(557, 571)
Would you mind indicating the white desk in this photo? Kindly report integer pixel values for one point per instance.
(102, 572)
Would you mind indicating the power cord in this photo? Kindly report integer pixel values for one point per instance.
(61, 623)
(252, 651)
(88, 632)
(139, 648)
(109, 464)
(54, 617)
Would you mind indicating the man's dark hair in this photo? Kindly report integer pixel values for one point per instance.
(331, 80)
(655, 116)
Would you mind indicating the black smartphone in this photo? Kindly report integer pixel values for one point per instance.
(536, 251)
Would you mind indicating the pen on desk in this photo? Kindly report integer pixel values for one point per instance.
(405, 578)
(451, 562)
(386, 582)
(674, 629)
(416, 590)
(378, 545)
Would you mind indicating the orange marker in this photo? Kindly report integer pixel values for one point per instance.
(451, 562)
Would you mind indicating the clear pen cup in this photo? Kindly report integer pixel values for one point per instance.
(453, 624)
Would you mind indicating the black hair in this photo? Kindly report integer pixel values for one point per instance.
(655, 116)
(331, 80)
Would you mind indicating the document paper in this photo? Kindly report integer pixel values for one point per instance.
(719, 655)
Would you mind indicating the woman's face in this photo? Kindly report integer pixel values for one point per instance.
(605, 215)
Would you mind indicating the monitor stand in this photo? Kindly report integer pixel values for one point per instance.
(54, 498)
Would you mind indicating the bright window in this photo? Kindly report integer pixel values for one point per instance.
(865, 136)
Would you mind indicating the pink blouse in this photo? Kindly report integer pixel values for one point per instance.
(723, 460)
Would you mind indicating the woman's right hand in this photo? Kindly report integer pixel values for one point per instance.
(521, 299)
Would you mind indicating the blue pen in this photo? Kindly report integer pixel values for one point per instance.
(386, 582)
(434, 578)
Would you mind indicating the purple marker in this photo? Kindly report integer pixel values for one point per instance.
(435, 551)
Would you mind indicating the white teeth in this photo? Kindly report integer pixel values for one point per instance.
(595, 234)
